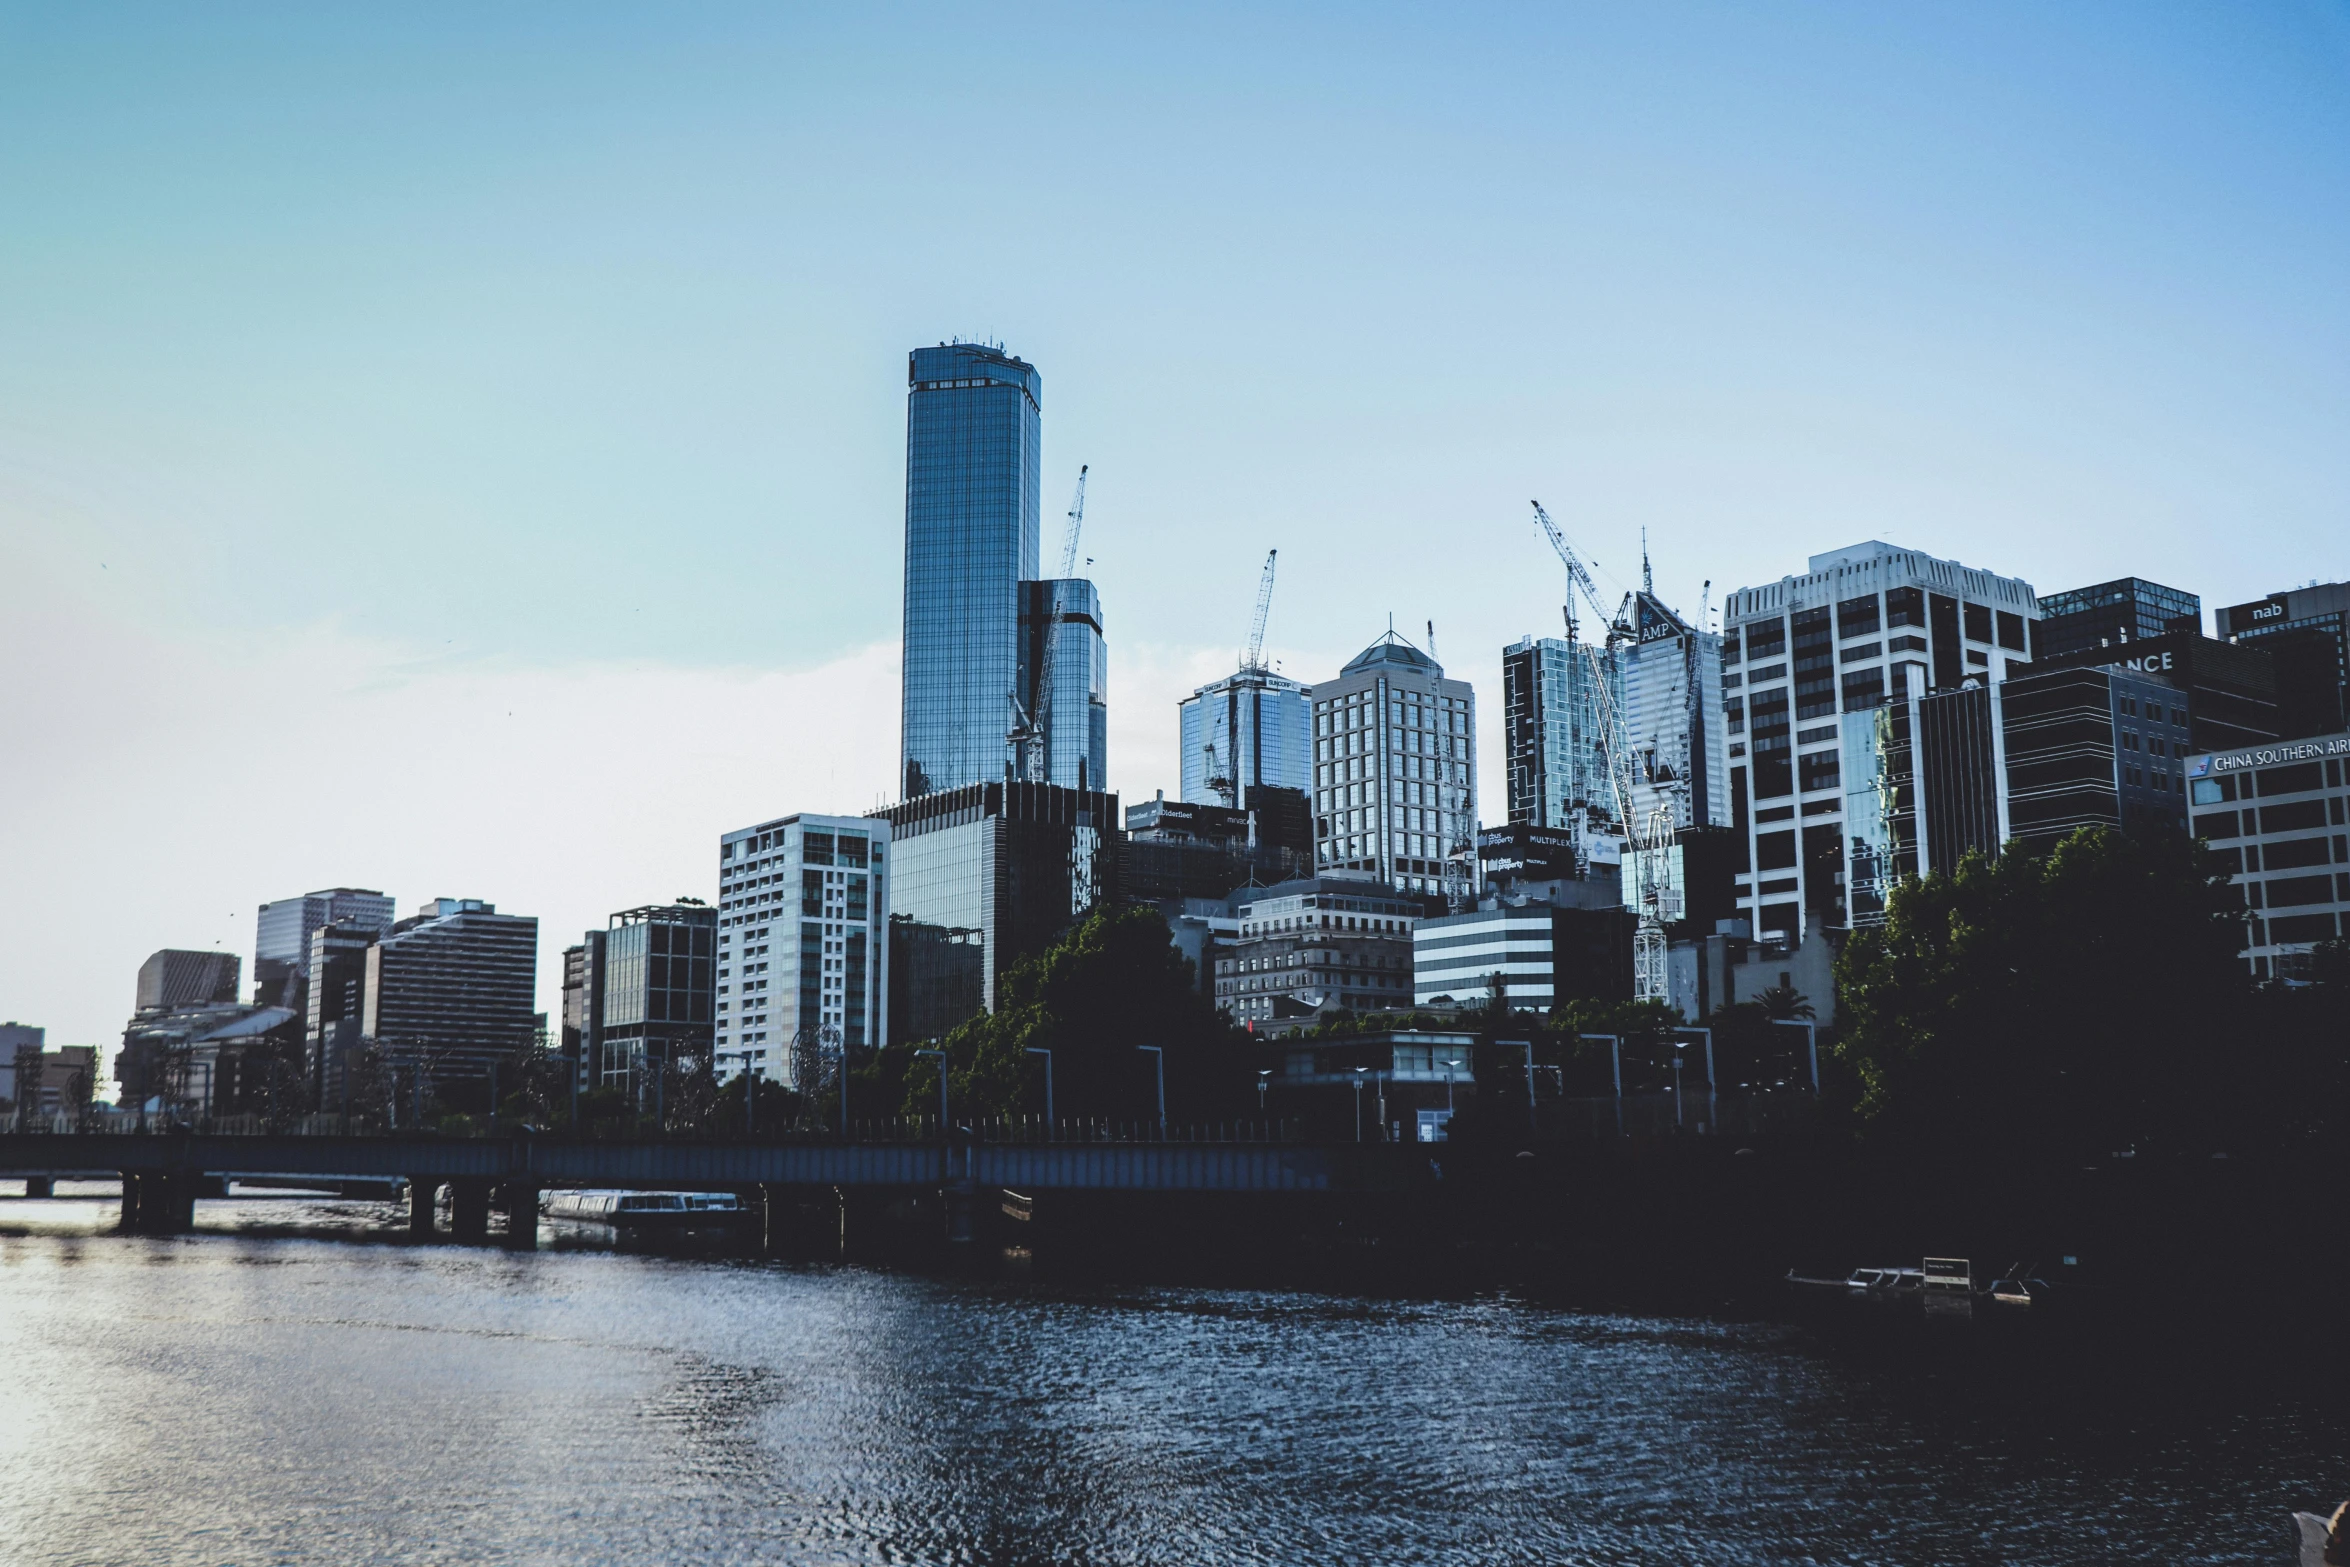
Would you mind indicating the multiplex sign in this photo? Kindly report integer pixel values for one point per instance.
(2269, 756)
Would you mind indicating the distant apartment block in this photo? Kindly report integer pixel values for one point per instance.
(451, 990)
(1395, 770)
(803, 968)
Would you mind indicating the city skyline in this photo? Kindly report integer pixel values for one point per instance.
(356, 579)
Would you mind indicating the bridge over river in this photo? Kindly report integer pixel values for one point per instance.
(161, 1173)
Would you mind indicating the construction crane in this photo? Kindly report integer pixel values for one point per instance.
(1646, 833)
(1254, 658)
(1223, 771)
(1030, 736)
(1076, 526)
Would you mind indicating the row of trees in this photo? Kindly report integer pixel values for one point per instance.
(2088, 999)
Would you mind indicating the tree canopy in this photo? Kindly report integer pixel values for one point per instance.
(2091, 998)
(1111, 986)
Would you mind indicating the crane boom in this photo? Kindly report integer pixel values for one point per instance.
(1031, 732)
(1076, 526)
(1254, 658)
(1646, 835)
(1578, 575)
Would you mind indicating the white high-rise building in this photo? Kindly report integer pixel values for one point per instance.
(1806, 663)
(1248, 729)
(1395, 769)
(803, 944)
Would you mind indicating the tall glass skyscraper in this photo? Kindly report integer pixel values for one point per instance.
(1245, 730)
(1552, 716)
(973, 441)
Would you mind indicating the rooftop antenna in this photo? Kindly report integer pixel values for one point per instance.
(1647, 577)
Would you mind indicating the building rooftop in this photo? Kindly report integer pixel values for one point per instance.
(1392, 649)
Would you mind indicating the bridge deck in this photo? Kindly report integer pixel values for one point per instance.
(1027, 1167)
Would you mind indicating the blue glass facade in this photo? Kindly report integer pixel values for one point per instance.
(1249, 729)
(973, 441)
(1075, 713)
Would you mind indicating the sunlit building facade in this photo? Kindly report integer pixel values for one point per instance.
(973, 441)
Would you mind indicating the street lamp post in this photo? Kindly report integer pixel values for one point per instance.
(1264, 1081)
(1450, 1067)
(1159, 1062)
(945, 1152)
(1039, 1050)
(1359, 1071)
(1678, 1048)
(1712, 1101)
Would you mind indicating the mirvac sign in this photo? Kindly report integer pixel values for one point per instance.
(2269, 756)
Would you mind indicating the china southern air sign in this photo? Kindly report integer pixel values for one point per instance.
(2269, 756)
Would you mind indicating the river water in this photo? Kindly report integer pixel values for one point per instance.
(248, 1395)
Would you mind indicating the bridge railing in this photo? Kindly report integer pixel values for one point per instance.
(911, 1130)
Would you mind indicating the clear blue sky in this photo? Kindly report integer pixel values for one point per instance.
(544, 340)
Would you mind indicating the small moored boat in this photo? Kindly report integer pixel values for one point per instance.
(646, 1210)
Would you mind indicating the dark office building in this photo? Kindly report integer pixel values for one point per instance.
(176, 978)
(2230, 690)
(2092, 747)
(1957, 761)
(1181, 849)
(659, 986)
(334, 1002)
(451, 992)
(583, 1005)
(987, 874)
(2111, 614)
(2276, 815)
(2307, 631)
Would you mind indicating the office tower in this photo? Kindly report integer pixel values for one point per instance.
(335, 999)
(175, 978)
(1247, 731)
(1807, 660)
(2230, 689)
(282, 930)
(973, 440)
(583, 1006)
(981, 877)
(449, 993)
(2275, 814)
(1313, 947)
(1074, 716)
(658, 990)
(2307, 631)
(2091, 747)
(803, 969)
(1395, 770)
(2110, 614)
(1543, 953)
(1179, 851)
(1672, 694)
(1551, 714)
(16, 1037)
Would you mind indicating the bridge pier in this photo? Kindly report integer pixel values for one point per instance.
(469, 1210)
(158, 1202)
(423, 1192)
(39, 1186)
(522, 1216)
